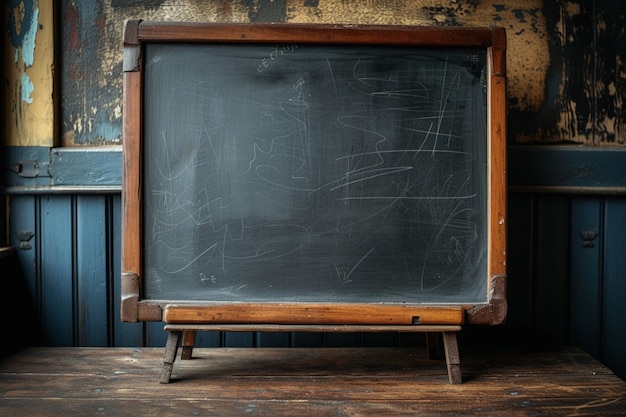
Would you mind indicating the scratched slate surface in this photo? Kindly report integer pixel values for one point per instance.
(313, 175)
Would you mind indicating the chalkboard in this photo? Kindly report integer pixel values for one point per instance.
(308, 173)
(312, 171)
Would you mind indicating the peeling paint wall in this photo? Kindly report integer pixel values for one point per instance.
(91, 74)
(28, 73)
(565, 58)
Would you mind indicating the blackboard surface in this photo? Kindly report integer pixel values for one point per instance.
(333, 173)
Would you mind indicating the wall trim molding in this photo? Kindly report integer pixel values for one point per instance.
(41, 170)
(567, 169)
(531, 169)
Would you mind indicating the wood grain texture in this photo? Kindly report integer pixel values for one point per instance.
(302, 313)
(320, 33)
(307, 382)
(131, 197)
(497, 181)
(135, 308)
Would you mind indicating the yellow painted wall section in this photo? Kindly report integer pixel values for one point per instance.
(29, 73)
(523, 21)
(528, 56)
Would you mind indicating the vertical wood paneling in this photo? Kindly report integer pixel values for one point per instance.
(238, 339)
(23, 221)
(301, 339)
(558, 283)
(124, 334)
(279, 339)
(379, 339)
(55, 268)
(16, 307)
(343, 339)
(155, 336)
(586, 273)
(209, 339)
(551, 285)
(91, 271)
(614, 293)
(520, 261)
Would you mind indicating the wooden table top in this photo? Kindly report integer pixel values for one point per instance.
(306, 382)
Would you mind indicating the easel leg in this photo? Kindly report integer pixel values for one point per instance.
(170, 355)
(189, 338)
(453, 361)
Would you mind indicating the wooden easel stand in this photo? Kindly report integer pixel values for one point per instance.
(187, 332)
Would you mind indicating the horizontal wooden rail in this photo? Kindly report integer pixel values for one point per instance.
(313, 314)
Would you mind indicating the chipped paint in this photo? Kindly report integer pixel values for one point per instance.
(528, 58)
(93, 54)
(589, 100)
(28, 66)
(28, 46)
(27, 88)
(546, 102)
(572, 9)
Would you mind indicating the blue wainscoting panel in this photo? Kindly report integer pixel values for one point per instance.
(209, 339)
(238, 339)
(343, 339)
(22, 236)
(566, 255)
(91, 270)
(155, 335)
(55, 265)
(614, 294)
(278, 339)
(520, 267)
(124, 334)
(307, 339)
(551, 257)
(586, 230)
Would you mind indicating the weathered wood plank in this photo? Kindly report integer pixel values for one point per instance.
(92, 296)
(333, 34)
(586, 247)
(614, 307)
(550, 283)
(96, 166)
(56, 214)
(314, 314)
(312, 328)
(312, 382)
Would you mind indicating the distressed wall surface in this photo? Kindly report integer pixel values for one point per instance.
(566, 70)
(566, 63)
(28, 73)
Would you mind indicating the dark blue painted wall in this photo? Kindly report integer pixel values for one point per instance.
(567, 221)
(566, 263)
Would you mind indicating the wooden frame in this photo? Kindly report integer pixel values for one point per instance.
(135, 308)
